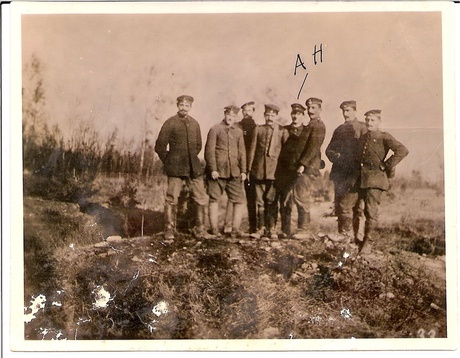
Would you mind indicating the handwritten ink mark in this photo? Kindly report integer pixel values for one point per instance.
(320, 52)
(317, 57)
(299, 63)
(305, 78)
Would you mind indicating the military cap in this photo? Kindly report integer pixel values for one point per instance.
(297, 107)
(271, 108)
(232, 108)
(251, 104)
(185, 98)
(372, 112)
(348, 104)
(313, 100)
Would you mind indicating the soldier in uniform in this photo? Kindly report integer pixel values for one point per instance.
(286, 170)
(182, 135)
(344, 153)
(264, 151)
(247, 125)
(225, 157)
(375, 170)
(299, 166)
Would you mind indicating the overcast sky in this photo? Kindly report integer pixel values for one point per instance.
(121, 69)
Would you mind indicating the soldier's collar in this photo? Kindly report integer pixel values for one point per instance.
(298, 127)
(225, 125)
(374, 133)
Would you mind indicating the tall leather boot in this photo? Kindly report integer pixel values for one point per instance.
(303, 220)
(214, 218)
(339, 222)
(251, 204)
(252, 216)
(270, 221)
(260, 223)
(169, 220)
(345, 235)
(184, 213)
(261, 219)
(356, 223)
(356, 228)
(238, 210)
(228, 218)
(347, 228)
(286, 220)
(369, 230)
(303, 225)
(199, 230)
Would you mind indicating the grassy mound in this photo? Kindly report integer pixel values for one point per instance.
(79, 284)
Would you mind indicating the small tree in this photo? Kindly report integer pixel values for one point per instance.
(34, 129)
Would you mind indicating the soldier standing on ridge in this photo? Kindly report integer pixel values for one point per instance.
(182, 134)
(286, 171)
(225, 157)
(299, 166)
(247, 125)
(307, 168)
(266, 144)
(375, 170)
(344, 153)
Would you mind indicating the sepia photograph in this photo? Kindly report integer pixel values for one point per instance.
(232, 176)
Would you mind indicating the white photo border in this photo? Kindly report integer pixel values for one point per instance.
(13, 187)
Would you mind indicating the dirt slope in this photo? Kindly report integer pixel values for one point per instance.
(147, 288)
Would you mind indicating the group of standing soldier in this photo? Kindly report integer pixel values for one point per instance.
(268, 169)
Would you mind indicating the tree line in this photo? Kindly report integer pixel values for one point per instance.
(85, 154)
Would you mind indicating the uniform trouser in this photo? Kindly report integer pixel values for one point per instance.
(296, 191)
(197, 192)
(347, 206)
(195, 185)
(233, 187)
(250, 190)
(251, 196)
(266, 204)
(371, 198)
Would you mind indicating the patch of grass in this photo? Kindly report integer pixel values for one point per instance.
(211, 293)
(62, 188)
(422, 236)
(49, 228)
(229, 289)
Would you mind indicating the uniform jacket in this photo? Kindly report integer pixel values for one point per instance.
(288, 161)
(247, 125)
(183, 135)
(314, 133)
(225, 152)
(374, 165)
(344, 151)
(303, 147)
(265, 149)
